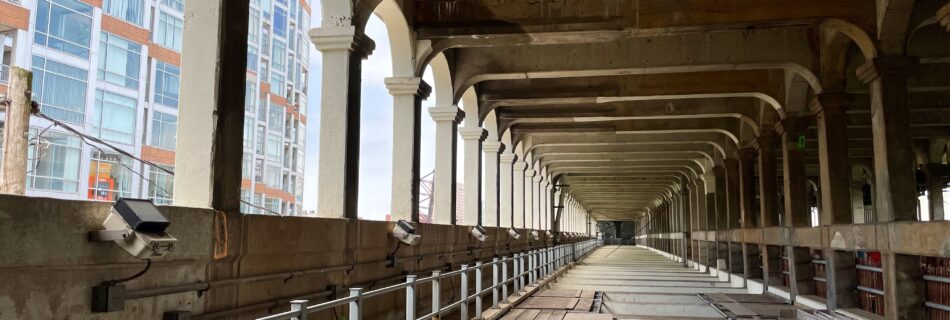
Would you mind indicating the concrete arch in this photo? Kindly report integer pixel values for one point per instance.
(442, 77)
(469, 104)
(400, 38)
(836, 36)
(490, 123)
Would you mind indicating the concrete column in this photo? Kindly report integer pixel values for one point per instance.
(548, 206)
(473, 173)
(722, 203)
(733, 193)
(793, 166)
(536, 201)
(518, 176)
(711, 213)
(894, 167)
(767, 180)
(408, 93)
(833, 165)
(505, 181)
(343, 50)
(490, 213)
(747, 187)
(529, 187)
(935, 177)
(446, 119)
(209, 173)
(895, 194)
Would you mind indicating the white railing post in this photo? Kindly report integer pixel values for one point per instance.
(356, 304)
(517, 268)
(463, 307)
(504, 277)
(532, 265)
(478, 290)
(411, 297)
(436, 293)
(301, 307)
(494, 283)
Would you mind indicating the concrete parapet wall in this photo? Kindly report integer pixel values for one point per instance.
(49, 267)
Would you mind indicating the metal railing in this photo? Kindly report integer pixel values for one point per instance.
(529, 267)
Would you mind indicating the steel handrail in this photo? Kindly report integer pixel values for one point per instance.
(532, 264)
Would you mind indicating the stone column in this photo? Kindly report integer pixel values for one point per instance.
(209, 174)
(895, 196)
(505, 185)
(711, 213)
(473, 173)
(343, 50)
(834, 168)
(767, 180)
(747, 187)
(446, 120)
(408, 93)
(529, 187)
(490, 215)
(793, 166)
(518, 175)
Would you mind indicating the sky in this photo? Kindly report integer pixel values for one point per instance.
(375, 127)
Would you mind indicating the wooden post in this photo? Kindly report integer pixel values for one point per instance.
(16, 132)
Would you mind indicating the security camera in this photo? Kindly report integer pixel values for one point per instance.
(405, 233)
(534, 235)
(479, 233)
(514, 234)
(136, 226)
(549, 234)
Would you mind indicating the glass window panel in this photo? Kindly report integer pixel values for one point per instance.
(167, 82)
(110, 176)
(169, 31)
(119, 61)
(64, 25)
(280, 22)
(60, 90)
(164, 130)
(53, 162)
(279, 56)
(129, 10)
(162, 185)
(177, 5)
(114, 117)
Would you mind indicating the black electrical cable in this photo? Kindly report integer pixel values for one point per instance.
(148, 264)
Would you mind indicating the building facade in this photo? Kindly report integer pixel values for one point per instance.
(111, 70)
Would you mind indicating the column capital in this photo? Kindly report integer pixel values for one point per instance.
(830, 102)
(887, 66)
(447, 113)
(519, 166)
(529, 173)
(327, 39)
(507, 157)
(793, 125)
(405, 86)
(476, 133)
(538, 178)
(765, 139)
(492, 147)
(747, 153)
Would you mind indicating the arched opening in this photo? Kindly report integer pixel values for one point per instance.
(376, 124)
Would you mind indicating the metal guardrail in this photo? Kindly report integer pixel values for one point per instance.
(529, 267)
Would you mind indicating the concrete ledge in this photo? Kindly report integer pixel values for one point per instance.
(811, 302)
